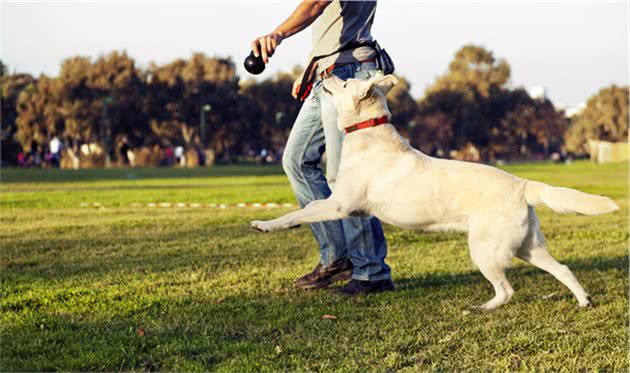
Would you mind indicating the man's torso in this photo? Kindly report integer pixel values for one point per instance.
(343, 23)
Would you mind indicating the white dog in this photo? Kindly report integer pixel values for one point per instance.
(382, 175)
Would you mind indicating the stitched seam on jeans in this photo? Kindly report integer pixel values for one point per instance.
(301, 162)
(366, 224)
(367, 230)
(366, 235)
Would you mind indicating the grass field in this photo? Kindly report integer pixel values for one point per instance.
(140, 288)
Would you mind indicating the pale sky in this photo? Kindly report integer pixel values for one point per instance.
(572, 48)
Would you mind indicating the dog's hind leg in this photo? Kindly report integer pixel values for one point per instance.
(316, 211)
(493, 242)
(534, 251)
(483, 256)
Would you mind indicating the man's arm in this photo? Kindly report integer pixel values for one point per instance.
(302, 17)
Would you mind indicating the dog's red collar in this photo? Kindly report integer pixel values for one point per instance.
(367, 124)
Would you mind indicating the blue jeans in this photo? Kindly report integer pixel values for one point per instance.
(315, 130)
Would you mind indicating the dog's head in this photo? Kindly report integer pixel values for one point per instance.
(358, 100)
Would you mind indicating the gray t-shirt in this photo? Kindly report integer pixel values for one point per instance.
(341, 23)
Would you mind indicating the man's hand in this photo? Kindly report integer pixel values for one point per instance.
(305, 14)
(266, 45)
(296, 87)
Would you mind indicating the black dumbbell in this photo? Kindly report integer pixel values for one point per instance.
(254, 65)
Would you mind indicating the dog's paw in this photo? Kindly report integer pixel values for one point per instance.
(493, 304)
(586, 302)
(261, 226)
(479, 309)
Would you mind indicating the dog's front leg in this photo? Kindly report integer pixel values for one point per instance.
(316, 211)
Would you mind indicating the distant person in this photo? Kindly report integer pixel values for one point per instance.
(55, 151)
(168, 155)
(179, 156)
(132, 158)
(124, 151)
(262, 156)
(201, 156)
(342, 46)
(21, 158)
(34, 158)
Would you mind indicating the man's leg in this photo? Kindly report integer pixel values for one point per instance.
(364, 236)
(300, 161)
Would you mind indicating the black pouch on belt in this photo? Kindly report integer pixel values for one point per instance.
(384, 62)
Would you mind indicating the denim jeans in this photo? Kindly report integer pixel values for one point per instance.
(315, 130)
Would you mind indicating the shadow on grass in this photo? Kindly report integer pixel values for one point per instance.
(206, 250)
(41, 258)
(206, 185)
(513, 273)
(17, 175)
(241, 332)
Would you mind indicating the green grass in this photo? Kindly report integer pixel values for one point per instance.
(210, 294)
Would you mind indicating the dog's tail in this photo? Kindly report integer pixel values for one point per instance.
(565, 200)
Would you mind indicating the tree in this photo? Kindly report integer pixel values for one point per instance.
(178, 92)
(527, 126)
(435, 123)
(473, 101)
(431, 132)
(78, 101)
(604, 118)
(463, 97)
(271, 110)
(402, 106)
(72, 106)
(116, 87)
(473, 68)
(104, 99)
(11, 85)
(38, 111)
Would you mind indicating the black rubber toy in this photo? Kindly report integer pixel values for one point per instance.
(254, 65)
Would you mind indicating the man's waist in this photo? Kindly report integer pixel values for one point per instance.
(357, 55)
(329, 70)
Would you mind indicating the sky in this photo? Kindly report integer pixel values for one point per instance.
(572, 48)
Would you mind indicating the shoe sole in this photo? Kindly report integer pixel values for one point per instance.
(341, 276)
(367, 292)
(364, 292)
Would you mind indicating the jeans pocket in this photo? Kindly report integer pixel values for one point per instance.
(315, 90)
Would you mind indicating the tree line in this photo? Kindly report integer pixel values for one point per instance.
(469, 112)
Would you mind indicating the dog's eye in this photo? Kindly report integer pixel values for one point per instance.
(345, 84)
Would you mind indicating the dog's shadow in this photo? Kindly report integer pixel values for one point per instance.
(517, 271)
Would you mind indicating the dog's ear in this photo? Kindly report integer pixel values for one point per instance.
(379, 81)
(385, 83)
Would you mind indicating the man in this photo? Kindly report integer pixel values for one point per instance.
(352, 247)
(55, 151)
(124, 150)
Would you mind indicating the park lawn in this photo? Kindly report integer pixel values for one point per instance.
(139, 288)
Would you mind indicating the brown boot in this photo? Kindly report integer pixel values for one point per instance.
(324, 276)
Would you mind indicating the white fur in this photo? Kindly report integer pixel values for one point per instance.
(382, 175)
